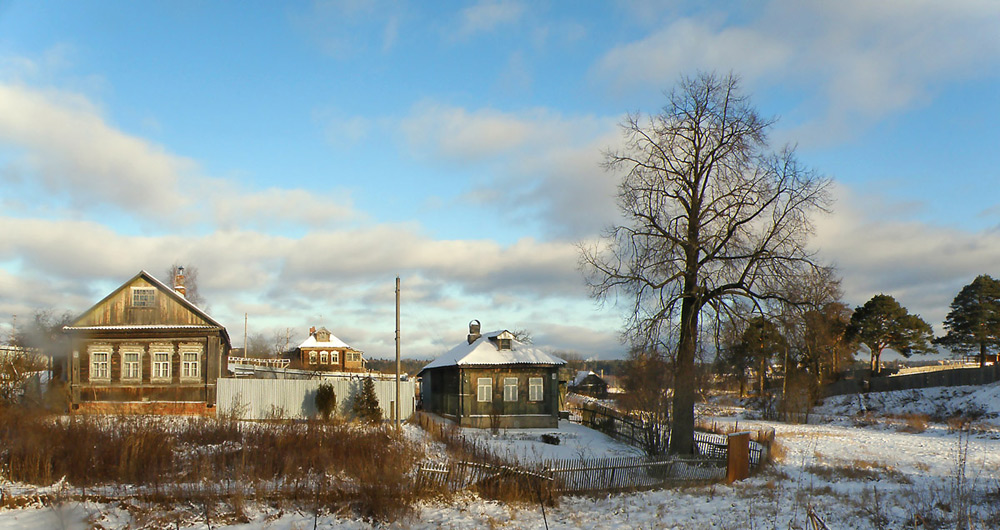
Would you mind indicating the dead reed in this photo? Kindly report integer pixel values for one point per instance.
(328, 466)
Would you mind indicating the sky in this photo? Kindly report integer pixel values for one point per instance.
(301, 155)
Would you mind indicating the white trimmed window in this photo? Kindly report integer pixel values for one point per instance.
(324, 357)
(535, 388)
(161, 355)
(191, 361)
(484, 391)
(143, 297)
(312, 357)
(510, 389)
(335, 357)
(131, 363)
(100, 363)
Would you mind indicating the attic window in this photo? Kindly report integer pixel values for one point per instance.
(503, 344)
(143, 296)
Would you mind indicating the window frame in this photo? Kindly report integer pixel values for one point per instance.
(536, 389)
(128, 365)
(510, 389)
(197, 350)
(93, 352)
(484, 390)
(138, 294)
(504, 344)
(313, 357)
(324, 357)
(335, 357)
(156, 365)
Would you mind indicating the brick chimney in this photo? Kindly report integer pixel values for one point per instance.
(179, 282)
(312, 330)
(474, 331)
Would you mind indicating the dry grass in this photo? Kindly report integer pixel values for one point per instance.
(914, 423)
(365, 468)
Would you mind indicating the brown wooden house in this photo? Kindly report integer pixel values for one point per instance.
(322, 351)
(146, 348)
(490, 380)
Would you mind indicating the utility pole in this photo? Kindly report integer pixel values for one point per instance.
(245, 318)
(397, 354)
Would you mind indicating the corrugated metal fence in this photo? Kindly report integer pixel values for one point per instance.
(256, 399)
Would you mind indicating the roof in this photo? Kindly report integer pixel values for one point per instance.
(334, 342)
(484, 352)
(580, 376)
(163, 288)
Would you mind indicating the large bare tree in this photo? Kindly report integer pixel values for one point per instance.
(711, 214)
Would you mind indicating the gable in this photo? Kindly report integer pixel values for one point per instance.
(144, 301)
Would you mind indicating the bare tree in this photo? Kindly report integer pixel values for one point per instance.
(711, 215)
(190, 283)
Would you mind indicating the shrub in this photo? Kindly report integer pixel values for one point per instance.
(326, 400)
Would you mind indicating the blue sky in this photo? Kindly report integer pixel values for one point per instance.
(303, 154)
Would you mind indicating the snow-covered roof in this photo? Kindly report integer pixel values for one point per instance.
(334, 342)
(484, 352)
(580, 376)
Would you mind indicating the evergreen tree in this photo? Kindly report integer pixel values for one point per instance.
(761, 343)
(326, 400)
(882, 323)
(974, 321)
(366, 407)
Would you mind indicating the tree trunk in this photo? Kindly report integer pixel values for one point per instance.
(982, 354)
(682, 426)
(761, 376)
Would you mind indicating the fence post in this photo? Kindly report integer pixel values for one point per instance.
(738, 457)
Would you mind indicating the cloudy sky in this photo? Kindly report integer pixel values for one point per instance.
(301, 155)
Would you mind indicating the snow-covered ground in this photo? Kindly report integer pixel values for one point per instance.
(884, 468)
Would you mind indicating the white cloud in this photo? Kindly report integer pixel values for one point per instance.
(487, 15)
(688, 45)
(869, 58)
(546, 166)
(66, 143)
(62, 143)
(923, 266)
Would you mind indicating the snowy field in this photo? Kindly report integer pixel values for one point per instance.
(886, 467)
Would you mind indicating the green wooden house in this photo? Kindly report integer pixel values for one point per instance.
(493, 380)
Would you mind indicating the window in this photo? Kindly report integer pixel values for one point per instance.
(324, 357)
(312, 357)
(510, 389)
(335, 357)
(189, 365)
(535, 388)
(131, 369)
(143, 296)
(503, 344)
(100, 363)
(352, 356)
(485, 389)
(190, 361)
(161, 361)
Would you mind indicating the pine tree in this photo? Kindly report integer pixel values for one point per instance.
(882, 323)
(366, 407)
(974, 321)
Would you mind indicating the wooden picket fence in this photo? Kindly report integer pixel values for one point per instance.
(639, 433)
(577, 476)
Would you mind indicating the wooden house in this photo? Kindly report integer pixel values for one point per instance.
(589, 384)
(492, 380)
(146, 348)
(322, 351)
